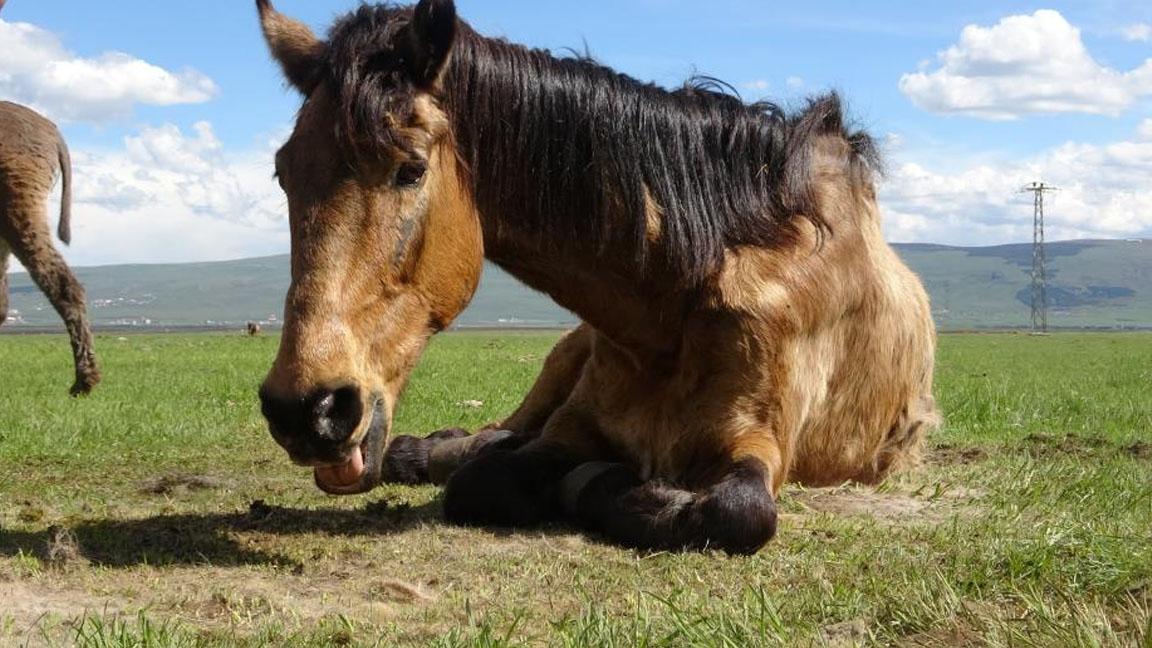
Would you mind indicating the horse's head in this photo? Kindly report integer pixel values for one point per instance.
(386, 245)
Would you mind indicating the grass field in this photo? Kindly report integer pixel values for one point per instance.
(160, 513)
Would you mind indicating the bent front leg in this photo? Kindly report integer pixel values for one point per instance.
(736, 513)
(562, 370)
(433, 459)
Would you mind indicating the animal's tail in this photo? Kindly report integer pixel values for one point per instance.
(64, 228)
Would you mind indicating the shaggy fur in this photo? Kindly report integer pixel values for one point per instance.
(745, 323)
(31, 152)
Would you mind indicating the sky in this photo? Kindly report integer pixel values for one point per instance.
(173, 109)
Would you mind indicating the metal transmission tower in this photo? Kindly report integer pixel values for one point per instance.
(1039, 271)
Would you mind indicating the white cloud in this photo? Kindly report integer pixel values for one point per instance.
(1105, 192)
(795, 82)
(1144, 130)
(36, 69)
(1023, 65)
(170, 196)
(760, 85)
(1137, 32)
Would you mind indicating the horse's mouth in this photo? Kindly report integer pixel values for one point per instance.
(360, 471)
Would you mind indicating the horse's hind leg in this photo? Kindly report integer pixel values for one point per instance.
(733, 510)
(3, 282)
(509, 487)
(412, 460)
(48, 269)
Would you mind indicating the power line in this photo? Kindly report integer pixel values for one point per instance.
(1039, 261)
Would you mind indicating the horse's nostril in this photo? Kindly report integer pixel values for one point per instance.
(326, 416)
(336, 415)
(323, 407)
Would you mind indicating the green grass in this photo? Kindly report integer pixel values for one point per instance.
(158, 512)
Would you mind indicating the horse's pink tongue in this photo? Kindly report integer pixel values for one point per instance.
(344, 475)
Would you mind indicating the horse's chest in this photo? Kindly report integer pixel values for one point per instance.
(663, 427)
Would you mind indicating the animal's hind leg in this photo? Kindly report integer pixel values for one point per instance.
(412, 460)
(731, 508)
(3, 282)
(48, 269)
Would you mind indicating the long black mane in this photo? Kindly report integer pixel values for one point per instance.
(567, 151)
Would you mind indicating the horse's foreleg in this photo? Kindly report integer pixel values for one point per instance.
(735, 511)
(432, 459)
(415, 460)
(48, 269)
(562, 370)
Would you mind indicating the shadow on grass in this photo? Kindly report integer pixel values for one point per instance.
(219, 539)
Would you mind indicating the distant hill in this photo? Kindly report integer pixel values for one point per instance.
(1092, 284)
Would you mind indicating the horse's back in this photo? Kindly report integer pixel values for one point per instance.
(28, 150)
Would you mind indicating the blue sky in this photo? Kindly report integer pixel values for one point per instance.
(173, 136)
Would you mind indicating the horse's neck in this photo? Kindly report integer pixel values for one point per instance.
(598, 280)
(624, 308)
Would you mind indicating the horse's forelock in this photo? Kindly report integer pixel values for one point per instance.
(375, 97)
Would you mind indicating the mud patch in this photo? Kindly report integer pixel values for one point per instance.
(1044, 445)
(176, 484)
(947, 454)
(1139, 450)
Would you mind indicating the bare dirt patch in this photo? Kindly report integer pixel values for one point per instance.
(27, 607)
(947, 454)
(173, 484)
(1139, 450)
(861, 501)
(845, 633)
(1042, 446)
(62, 548)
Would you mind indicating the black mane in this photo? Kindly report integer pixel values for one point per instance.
(566, 150)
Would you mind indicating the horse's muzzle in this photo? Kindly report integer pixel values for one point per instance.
(319, 430)
(371, 457)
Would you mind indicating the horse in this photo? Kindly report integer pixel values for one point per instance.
(253, 329)
(743, 321)
(31, 151)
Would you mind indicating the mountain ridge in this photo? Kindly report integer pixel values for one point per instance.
(1093, 283)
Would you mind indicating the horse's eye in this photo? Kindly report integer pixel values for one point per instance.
(409, 175)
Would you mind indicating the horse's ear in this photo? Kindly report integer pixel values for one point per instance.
(433, 32)
(293, 45)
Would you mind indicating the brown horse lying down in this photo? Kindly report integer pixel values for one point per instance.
(745, 323)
